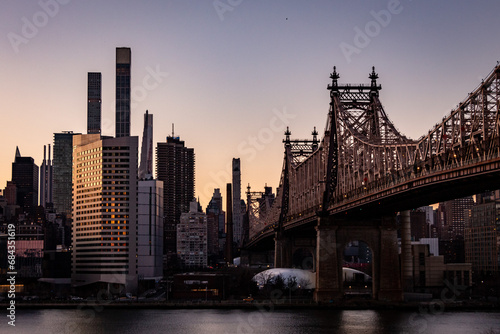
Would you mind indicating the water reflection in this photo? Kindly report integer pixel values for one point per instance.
(260, 320)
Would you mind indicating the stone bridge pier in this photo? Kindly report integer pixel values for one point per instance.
(379, 234)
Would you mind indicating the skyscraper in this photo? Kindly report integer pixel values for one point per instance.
(25, 176)
(123, 61)
(93, 102)
(146, 164)
(46, 179)
(175, 167)
(61, 176)
(105, 211)
(237, 208)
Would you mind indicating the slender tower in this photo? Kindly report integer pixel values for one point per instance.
(123, 61)
(94, 102)
(229, 225)
(146, 165)
(46, 179)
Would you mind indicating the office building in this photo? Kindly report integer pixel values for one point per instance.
(123, 62)
(105, 211)
(46, 179)
(61, 175)
(25, 177)
(94, 102)
(192, 237)
(175, 167)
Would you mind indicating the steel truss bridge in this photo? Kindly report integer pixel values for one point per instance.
(364, 166)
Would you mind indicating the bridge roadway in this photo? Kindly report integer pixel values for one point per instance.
(392, 194)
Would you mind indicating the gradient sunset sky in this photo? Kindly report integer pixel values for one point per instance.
(232, 74)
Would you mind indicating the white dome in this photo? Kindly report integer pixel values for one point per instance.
(305, 278)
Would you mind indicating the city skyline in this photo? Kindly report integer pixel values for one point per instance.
(232, 78)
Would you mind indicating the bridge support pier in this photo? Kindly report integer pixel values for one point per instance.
(282, 251)
(328, 270)
(379, 234)
(389, 287)
(406, 253)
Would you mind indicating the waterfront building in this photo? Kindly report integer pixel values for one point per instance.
(105, 211)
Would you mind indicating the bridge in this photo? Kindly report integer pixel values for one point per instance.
(351, 184)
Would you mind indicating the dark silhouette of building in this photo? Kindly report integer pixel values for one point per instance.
(419, 225)
(175, 167)
(123, 62)
(94, 102)
(215, 225)
(25, 176)
(46, 176)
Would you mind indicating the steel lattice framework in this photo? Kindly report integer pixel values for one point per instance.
(362, 152)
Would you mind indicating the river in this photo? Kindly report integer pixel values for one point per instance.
(152, 321)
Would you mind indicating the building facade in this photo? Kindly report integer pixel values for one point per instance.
(105, 211)
(192, 237)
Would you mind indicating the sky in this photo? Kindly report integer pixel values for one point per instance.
(232, 74)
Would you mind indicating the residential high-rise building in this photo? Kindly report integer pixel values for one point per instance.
(150, 230)
(123, 62)
(25, 176)
(146, 164)
(192, 237)
(46, 179)
(93, 102)
(61, 175)
(175, 167)
(105, 211)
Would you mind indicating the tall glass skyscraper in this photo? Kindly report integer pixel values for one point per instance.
(123, 61)
(94, 102)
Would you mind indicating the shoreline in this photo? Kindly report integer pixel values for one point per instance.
(343, 305)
